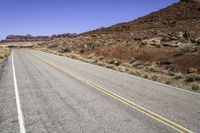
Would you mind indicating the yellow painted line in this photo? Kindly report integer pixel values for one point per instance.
(131, 104)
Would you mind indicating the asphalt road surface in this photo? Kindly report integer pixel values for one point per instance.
(46, 93)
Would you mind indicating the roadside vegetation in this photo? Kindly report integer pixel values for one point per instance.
(4, 52)
(187, 81)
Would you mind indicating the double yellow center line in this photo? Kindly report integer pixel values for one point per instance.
(131, 104)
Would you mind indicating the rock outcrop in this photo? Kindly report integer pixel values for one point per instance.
(30, 38)
(26, 38)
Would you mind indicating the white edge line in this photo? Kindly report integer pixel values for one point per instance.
(170, 86)
(19, 110)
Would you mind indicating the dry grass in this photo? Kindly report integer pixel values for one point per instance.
(195, 87)
(4, 52)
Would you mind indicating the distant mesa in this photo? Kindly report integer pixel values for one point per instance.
(30, 38)
(26, 38)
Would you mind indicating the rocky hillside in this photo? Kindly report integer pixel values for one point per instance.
(182, 16)
(165, 43)
(167, 34)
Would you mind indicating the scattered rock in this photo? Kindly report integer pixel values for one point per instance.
(101, 58)
(123, 69)
(66, 49)
(82, 50)
(190, 36)
(115, 62)
(192, 70)
(140, 66)
(178, 76)
(136, 63)
(172, 44)
(190, 78)
(90, 56)
(157, 69)
(95, 46)
(171, 73)
(197, 77)
(174, 36)
(183, 50)
(156, 41)
(166, 39)
(132, 60)
(198, 41)
(137, 39)
(165, 62)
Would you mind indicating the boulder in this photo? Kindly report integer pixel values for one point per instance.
(156, 41)
(192, 70)
(190, 36)
(183, 50)
(136, 63)
(198, 41)
(172, 44)
(155, 69)
(66, 49)
(178, 76)
(115, 62)
(165, 62)
(165, 39)
(82, 50)
(171, 73)
(132, 60)
(190, 78)
(140, 66)
(174, 36)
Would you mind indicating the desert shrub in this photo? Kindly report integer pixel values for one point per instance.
(102, 64)
(137, 74)
(4, 52)
(190, 78)
(168, 82)
(154, 77)
(195, 87)
(173, 68)
(73, 57)
(146, 76)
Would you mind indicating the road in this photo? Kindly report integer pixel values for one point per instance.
(46, 93)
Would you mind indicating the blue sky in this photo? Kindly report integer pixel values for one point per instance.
(46, 17)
